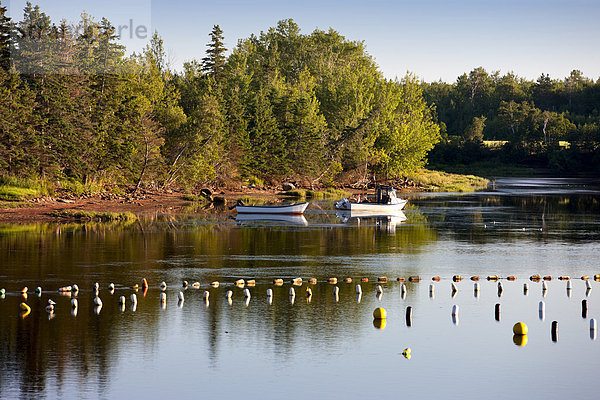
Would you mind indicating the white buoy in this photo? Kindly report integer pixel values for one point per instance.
(133, 298)
(163, 286)
(163, 297)
(588, 291)
(74, 303)
(358, 297)
(96, 286)
(476, 287)
(431, 288)
(97, 301)
(593, 324)
(229, 301)
(122, 300)
(180, 297)
(247, 293)
(525, 289)
(454, 288)
(292, 299)
(111, 287)
(50, 308)
(588, 284)
(336, 291)
(308, 293)
(455, 310)
(74, 311)
(544, 285)
(500, 288)
(229, 294)
(292, 292)
(569, 287)
(403, 292)
(358, 289)
(74, 289)
(206, 294)
(379, 289)
(542, 306)
(269, 292)
(97, 309)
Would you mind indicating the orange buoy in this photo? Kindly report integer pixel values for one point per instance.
(382, 279)
(436, 278)
(400, 279)
(364, 280)
(333, 281)
(511, 278)
(348, 280)
(414, 278)
(312, 281)
(564, 278)
(535, 278)
(474, 278)
(548, 278)
(585, 278)
(457, 278)
(492, 278)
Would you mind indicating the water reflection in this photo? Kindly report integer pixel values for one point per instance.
(101, 351)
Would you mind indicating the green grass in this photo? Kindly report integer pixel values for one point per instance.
(486, 168)
(94, 216)
(447, 182)
(21, 189)
(316, 194)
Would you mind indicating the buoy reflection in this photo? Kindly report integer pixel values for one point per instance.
(554, 331)
(379, 323)
(520, 340)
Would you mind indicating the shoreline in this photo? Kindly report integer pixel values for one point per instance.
(48, 209)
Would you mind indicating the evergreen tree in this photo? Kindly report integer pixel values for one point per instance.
(214, 61)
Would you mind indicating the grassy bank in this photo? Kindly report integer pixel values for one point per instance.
(21, 189)
(315, 194)
(488, 169)
(447, 182)
(94, 216)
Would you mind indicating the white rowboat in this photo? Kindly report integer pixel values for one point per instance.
(283, 209)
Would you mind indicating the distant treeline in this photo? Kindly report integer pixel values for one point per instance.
(555, 123)
(282, 105)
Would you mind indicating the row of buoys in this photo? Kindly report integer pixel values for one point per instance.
(74, 289)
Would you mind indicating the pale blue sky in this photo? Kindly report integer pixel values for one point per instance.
(432, 38)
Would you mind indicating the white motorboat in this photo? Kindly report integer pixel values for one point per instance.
(271, 209)
(385, 202)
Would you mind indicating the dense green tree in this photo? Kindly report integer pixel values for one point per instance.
(6, 33)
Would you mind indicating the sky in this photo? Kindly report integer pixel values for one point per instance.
(434, 39)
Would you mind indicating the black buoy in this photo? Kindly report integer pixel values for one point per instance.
(409, 316)
(555, 331)
(584, 308)
(497, 312)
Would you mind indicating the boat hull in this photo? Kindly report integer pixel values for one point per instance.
(294, 209)
(382, 209)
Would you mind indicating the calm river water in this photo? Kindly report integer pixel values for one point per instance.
(325, 347)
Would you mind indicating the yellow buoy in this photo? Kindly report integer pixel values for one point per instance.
(25, 307)
(520, 329)
(379, 313)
